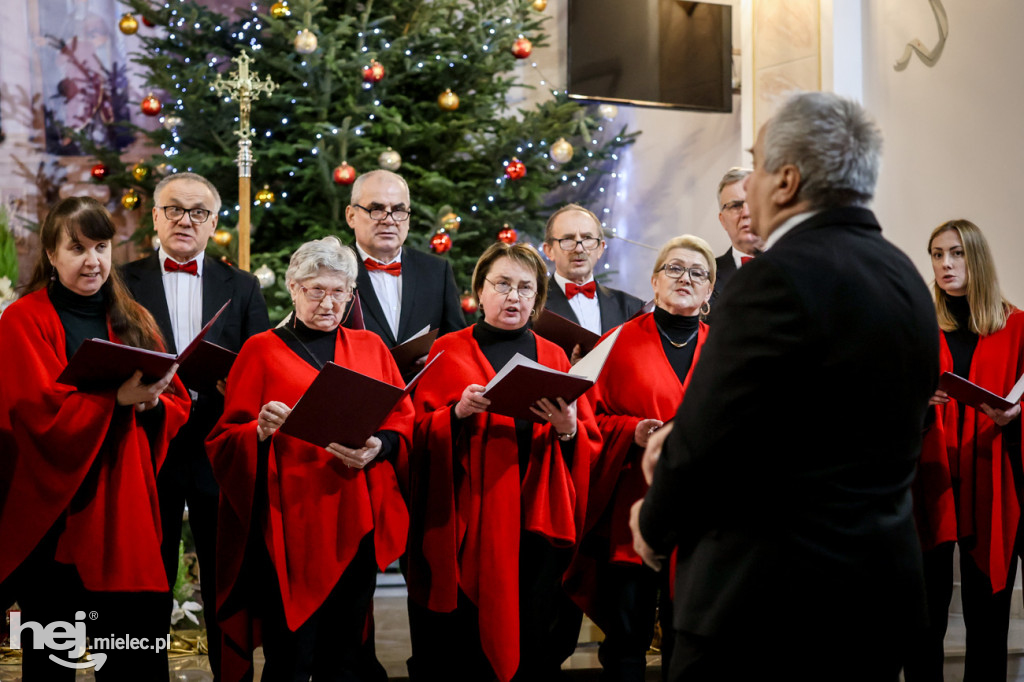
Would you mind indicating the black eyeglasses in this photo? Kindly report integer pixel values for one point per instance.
(398, 215)
(698, 275)
(569, 244)
(736, 205)
(197, 215)
(505, 288)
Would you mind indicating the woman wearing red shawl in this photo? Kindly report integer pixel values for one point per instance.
(970, 476)
(304, 528)
(498, 503)
(642, 384)
(79, 515)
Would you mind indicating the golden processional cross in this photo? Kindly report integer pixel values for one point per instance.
(243, 87)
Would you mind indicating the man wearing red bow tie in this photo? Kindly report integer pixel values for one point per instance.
(735, 218)
(574, 241)
(183, 288)
(401, 290)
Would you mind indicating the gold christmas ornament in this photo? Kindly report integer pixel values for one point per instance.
(561, 151)
(279, 10)
(390, 160)
(139, 172)
(130, 199)
(222, 237)
(608, 111)
(128, 24)
(265, 196)
(540, 5)
(451, 222)
(305, 42)
(448, 100)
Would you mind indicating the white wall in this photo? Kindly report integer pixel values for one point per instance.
(953, 132)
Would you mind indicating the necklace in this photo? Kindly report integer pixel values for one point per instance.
(674, 344)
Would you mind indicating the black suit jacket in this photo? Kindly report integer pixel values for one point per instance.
(785, 482)
(246, 316)
(429, 296)
(616, 306)
(725, 268)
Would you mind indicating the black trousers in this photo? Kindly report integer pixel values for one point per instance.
(49, 591)
(627, 599)
(986, 618)
(446, 646)
(187, 477)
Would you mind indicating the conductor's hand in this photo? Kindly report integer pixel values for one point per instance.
(471, 402)
(639, 544)
(358, 458)
(653, 452)
(645, 428)
(939, 398)
(1001, 417)
(144, 396)
(271, 418)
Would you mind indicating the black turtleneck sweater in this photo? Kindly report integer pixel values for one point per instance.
(83, 317)
(961, 341)
(677, 329)
(316, 347)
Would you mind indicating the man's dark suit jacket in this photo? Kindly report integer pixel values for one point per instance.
(429, 296)
(616, 306)
(247, 315)
(725, 268)
(785, 482)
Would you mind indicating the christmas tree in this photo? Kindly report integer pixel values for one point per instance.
(416, 86)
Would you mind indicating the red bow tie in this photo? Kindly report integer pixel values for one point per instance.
(589, 289)
(745, 259)
(191, 267)
(393, 269)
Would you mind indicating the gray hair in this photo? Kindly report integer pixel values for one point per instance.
(549, 229)
(832, 141)
(731, 177)
(322, 254)
(195, 177)
(357, 186)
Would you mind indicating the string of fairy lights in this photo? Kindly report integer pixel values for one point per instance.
(305, 42)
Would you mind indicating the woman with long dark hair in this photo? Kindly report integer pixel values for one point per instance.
(79, 515)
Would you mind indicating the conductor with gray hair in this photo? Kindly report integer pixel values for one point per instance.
(784, 484)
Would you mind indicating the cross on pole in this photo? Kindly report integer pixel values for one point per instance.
(243, 87)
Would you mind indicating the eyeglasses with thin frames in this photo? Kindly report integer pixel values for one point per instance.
(317, 294)
(198, 216)
(505, 288)
(698, 275)
(569, 244)
(734, 206)
(398, 215)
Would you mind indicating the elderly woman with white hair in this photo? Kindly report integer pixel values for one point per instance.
(302, 526)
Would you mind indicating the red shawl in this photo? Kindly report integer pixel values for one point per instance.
(319, 509)
(637, 383)
(988, 511)
(52, 436)
(466, 493)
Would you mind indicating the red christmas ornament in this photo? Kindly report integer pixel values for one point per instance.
(440, 242)
(344, 174)
(99, 171)
(469, 303)
(515, 169)
(522, 48)
(147, 22)
(508, 234)
(374, 73)
(151, 105)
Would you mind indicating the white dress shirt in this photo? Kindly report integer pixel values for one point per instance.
(388, 289)
(588, 310)
(184, 294)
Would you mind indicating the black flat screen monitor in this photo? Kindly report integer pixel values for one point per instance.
(664, 53)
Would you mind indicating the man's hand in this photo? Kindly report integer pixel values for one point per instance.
(639, 544)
